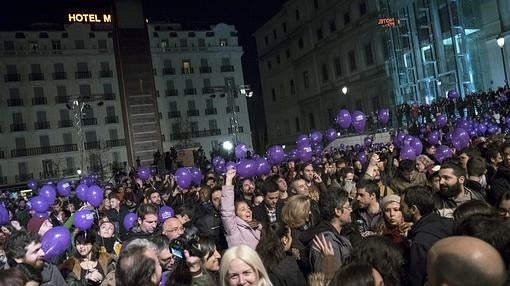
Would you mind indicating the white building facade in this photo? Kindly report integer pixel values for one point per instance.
(51, 76)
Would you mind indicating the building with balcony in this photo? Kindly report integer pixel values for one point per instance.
(47, 71)
(308, 52)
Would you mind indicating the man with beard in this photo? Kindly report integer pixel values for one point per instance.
(246, 191)
(452, 191)
(209, 221)
(313, 181)
(501, 181)
(417, 206)
(368, 213)
(24, 247)
(22, 215)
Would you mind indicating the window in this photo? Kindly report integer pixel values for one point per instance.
(12, 69)
(193, 126)
(201, 42)
(269, 66)
(325, 76)
(38, 92)
(169, 84)
(311, 119)
(59, 68)
(64, 115)
(101, 44)
(306, 81)
(352, 61)
(316, 4)
(67, 138)
(347, 18)
(225, 61)
(34, 46)
(9, 45)
(105, 66)
(82, 67)
(163, 44)
(284, 27)
(278, 59)
(338, 67)
(300, 43)
(298, 127)
(41, 116)
(287, 53)
(70, 162)
(369, 56)
(23, 170)
(332, 26)
(107, 88)
(292, 87)
(14, 93)
(183, 43)
(209, 103)
(110, 111)
(85, 90)
(362, 8)
(79, 44)
(56, 45)
(223, 42)
(273, 94)
(213, 124)
(189, 83)
(319, 34)
(297, 14)
(61, 91)
(204, 62)
(114, 135)
(172, 106)
(17, 117)
(191, 105)
(186, 67)
(266, 40)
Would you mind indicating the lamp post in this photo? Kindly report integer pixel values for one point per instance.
(344, 90)
(501, 43)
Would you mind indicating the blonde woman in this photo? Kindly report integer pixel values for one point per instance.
(241, 265)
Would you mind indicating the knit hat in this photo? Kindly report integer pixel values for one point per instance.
(34, 224)
(389, 199)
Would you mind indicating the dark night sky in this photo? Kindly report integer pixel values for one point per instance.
(246, 15)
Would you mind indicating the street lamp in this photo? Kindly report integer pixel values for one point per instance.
(227, 145)
(344, 90)
(501, 43)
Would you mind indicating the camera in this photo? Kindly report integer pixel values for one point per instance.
(187, 241)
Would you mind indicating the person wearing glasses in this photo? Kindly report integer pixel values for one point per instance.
(172, 228)
(503, 206)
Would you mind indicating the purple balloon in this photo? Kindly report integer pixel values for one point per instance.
(362, 157)
(441, 120)
(183, 178)
(246, 168)
(83, 219)
(196, 176)
(305, 153)
(433, 137)
(55, 242)
(32, 184)
(95, 196)
(443, 152)
(129, 221)
(331, 134)
(368, 141)
(39, 204)
(240, 151)
(49, 192)
(343, 118)
(164, 279)
(41, 214)
(230, 165)
(303, 140)
(263, 167)
(461, 136)
(316, 136)
(81, 192)
(216, 160)
(416, 145)
(4, 216)
(358, 121)
(275, 154)
(64, 188)
(86, 180)
(153, 171)
(407, 153)
(143, 173)
(453, 94)
(399, 139)
(383, 116)
(507, 121)
(165, 212)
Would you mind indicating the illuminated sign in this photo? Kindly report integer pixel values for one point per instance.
(89, 18)
(388, 22)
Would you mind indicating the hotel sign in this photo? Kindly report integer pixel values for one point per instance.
(89, 18)
(388, 22)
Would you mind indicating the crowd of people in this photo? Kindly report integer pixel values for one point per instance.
(333, 220)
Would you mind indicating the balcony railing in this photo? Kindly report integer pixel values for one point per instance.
(92, 145)
(231, 131)
(190, 91)
(42, 125)
(82, 74)
(229, 109)
(18, 127)
(111, 119)
(65, 123)
(205, 69)
(89, 121)
(174, 114)
(227, 68)
(207, 90)
(12, 77)
(195, 134)
(61, 99)
(2, 155)
(115, 143)
(15, 101)
(211, 111)
(23, 177)
(171, 92)
(39, 100)
(48, 175)
(69, 172)
(105, 74)
(35, 76)
(34, 151)
(187, 70)
(193, 112)
(168, 71)
(3, 180)
(109, 96)
(59, 75)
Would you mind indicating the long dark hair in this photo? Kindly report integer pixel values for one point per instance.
(86, 237)
(356, 274)
(270, 248)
